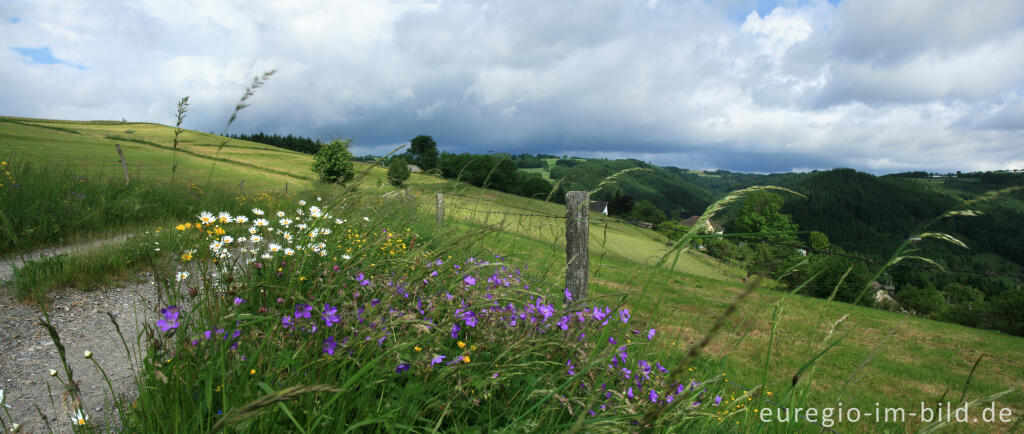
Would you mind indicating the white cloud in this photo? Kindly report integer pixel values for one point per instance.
(873, 85)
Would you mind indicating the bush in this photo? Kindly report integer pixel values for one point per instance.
(398, 172)
(333, 162)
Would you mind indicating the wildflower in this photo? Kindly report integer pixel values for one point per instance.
(206, 217)
(255, 239)
(87, 354)
(289, 252)
(366, 219)
(182, 275)
(465, 359)
(241, 219)
(182, 227)
(261, 222)
(570, 367)
(238, 301)
(330, 316)
(302, 203)
(629, 392)
(187, 255)
(346, 257)
(437, 359)
(274, 248)
(280, 214)
(718, 400)
(650, 334)
(53, 372)
(170, 320)
(227, 239)
(330, 345)
(287, 321)
(455, 331)
(462, 344)
(257, 211)
(216, 245)
(315, 212)
(653, 396)
(79, 418)
(624, 314)
(252, 372)
(224, 217)
(568, 294)
(469, 281)
(495, 375)
(284, 222)
(402, 367)
(303, 310)
(417, 349)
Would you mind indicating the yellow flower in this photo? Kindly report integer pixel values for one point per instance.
(303, 278)
(182, 227)
(417, 348)
(252, 372)
(465, 359)
(473, 348)
(462, 344)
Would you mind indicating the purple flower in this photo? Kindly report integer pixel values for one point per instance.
(207, 334)
(718, 400)
(402, 367)
(661, 368)
(629, 392)
(455, 331)
(495, 375)
(626, 372)
(170, 320)
(303, 311)
(239, 301)
(623, 354)
(568, 294)
(624, 314)
(330, 315)
(287, 321)
(570, 367)
(563, 323)
(469, 281)
(437, 359)
(653, 396)
(650, 334)
(330, 345)
(612, 341)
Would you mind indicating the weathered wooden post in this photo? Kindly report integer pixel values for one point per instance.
(124, 164)
(577, 234)
(440, 209)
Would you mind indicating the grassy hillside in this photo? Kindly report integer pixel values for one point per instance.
(886, 358)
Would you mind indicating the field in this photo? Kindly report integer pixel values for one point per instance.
(884, 358)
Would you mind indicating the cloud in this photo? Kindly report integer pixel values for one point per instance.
(733, 84)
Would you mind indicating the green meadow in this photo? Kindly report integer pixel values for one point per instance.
(788, 349)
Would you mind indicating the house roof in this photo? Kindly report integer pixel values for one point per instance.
(693, 221)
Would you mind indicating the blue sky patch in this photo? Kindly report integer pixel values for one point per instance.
(15, 20)
(43, 56)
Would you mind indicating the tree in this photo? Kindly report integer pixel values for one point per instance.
(645, 210)
(398, 171)
(621, 204)
(333, 162)
(424, 151)
(762, 212)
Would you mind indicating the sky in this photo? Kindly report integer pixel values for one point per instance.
(756, 86)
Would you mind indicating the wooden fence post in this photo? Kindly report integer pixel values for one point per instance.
(124, 164)
(577, 243)
(440, 209)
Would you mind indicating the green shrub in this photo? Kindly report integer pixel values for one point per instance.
(398, 171)
(333, 162)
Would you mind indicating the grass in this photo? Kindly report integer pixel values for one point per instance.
(286, 382)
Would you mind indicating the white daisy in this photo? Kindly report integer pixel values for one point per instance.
(224, 217)
(227, 239)
(255, 239)
(216, 245)
(266, 256)
(302, 203)
(284, 222)
(325, 231)
(274, 248)
(287, 236)
(339, 221)
(280, 213)
(206, 217)
(301, 226)
(241, 219)
(261, 222)
(252, 230)
(366, 218)
(346, 257)
(257, 211)
(288, 252)
(182, 275)
(315, 212)
(79, 418)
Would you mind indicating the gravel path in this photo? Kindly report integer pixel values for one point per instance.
(27, 353)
